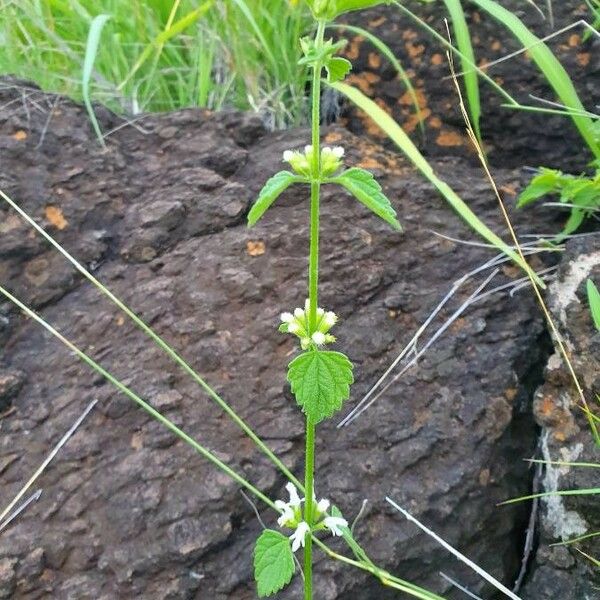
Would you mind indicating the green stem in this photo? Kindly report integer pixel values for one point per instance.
(308, 505)
(313, 296)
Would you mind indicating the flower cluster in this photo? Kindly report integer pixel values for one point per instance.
(292, 517)
(298, 325)
(302, 162)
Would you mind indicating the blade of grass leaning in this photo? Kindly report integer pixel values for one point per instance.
(463, 41)
(138, 400)
(594, 300)
(158, 340)
(578, 492)
(385, 577)
(578, 539)
(91, 49)
(164, 36)
(536, 288)
(401, 139)
(388, 53)
(549, 65)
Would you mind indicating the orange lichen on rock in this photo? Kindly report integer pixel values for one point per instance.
(449, 139)
(377, 22)
(364, 81)
(19, 135)
(55, 216)
(352, 51)
(437, 59)
(374, 60)
(332, 137)
(583, 59)
(255, 247)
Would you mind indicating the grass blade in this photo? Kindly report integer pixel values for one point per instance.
(91, 49)
(139, 401)
(397, 134)
(173, 355)
(164, 36)
(594, 300)
(463, 41)
(387, 52)
(578, 492)
(549, 65)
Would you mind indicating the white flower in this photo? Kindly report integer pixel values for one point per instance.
(288, 155)
(286, 317)
(293, 492)
(334, 524)
(329, 319)
(293, 327)
(299, 535)
(323, 505)
(338, 151)
(318, 338)
(298, 313)
(308, 149)
(287, 516)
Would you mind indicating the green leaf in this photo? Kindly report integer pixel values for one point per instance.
(463, 41)
(546, 182)
(330, 9)
(91, 49)
(273, 562)
(594, 300)
(362, 185)
(270, 192)
(337, 68)
(320, 381)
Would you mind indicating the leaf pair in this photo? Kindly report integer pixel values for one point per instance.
(580, 192)
(337, 67)
(360, 183)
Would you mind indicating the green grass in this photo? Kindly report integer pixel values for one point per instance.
(162, 55)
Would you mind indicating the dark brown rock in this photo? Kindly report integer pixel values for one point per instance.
(127, 512)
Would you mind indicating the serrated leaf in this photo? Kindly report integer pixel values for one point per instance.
(363, 186)
(545, 183)
(337, 68)
(320, 381)
(273, 562)
(594, 300)
(270, 192)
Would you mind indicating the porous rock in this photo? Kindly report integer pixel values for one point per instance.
(159, 217)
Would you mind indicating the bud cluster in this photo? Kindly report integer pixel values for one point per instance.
(302, 163)
(298, 324)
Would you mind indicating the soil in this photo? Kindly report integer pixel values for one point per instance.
(512, 138)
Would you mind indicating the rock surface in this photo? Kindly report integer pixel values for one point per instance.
(559, 571)
(130, 512)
